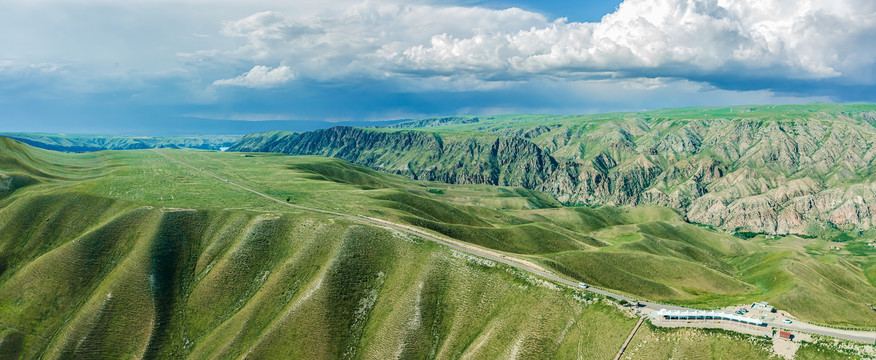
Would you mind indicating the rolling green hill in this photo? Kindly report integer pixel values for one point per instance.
(127, 254)
(596, 245)
(22, 165)
(159, 283)
(86, 274)
(801, 169)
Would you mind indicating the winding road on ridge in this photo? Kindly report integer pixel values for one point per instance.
(646, 306)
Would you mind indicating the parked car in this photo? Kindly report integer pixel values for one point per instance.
(786, 321)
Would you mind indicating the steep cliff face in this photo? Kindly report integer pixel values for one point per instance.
(419, 155)
(776, 170)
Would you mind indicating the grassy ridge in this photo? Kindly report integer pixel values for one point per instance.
(590, 244)
(91, 271)
(164, 283)
(32, 165)
(130, 255)
(654, 277)
(523, 121)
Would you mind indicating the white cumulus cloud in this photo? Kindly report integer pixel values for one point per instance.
(260, 77)
(359, 40)
(691, 39)
(806, 39)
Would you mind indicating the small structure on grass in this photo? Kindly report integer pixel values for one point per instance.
(763, 306)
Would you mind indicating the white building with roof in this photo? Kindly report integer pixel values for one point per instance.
(762, 305)
(674, 315)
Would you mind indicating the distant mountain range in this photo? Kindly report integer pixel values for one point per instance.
(85, 143)
(194, 133)
(805, 169)
(180, 126)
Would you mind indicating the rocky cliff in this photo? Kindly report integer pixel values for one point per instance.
(774, 170)
(485, 159)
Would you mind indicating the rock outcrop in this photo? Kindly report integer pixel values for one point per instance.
(770, 172)
(420, 155)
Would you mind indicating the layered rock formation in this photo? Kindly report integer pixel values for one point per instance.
(419, 155)
(798, 169)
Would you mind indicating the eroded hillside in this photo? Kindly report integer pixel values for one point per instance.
(775, 170)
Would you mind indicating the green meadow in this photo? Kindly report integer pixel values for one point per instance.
(765, 112)
(647, 251)
(122, 254)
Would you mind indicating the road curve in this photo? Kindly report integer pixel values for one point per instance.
(858, 336)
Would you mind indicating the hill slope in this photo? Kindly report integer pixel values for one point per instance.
(677, 262)
(158, 283)
(775, 170)
(136, 256)
(85, 274)
(22, 165)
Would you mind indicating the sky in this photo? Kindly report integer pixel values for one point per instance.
(158, 67)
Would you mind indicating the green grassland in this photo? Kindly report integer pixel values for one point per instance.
(637, 251)
(18, 159)
(648, 251)
(767, 112)
(122, 254)
(165, 283)
(655, 343)
(90, 271)
(659, 343)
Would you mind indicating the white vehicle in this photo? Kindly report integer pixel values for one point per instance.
(786, 321)
(583, 285)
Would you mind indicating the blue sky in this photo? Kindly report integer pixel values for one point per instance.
(574, 10)
(170, 67)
